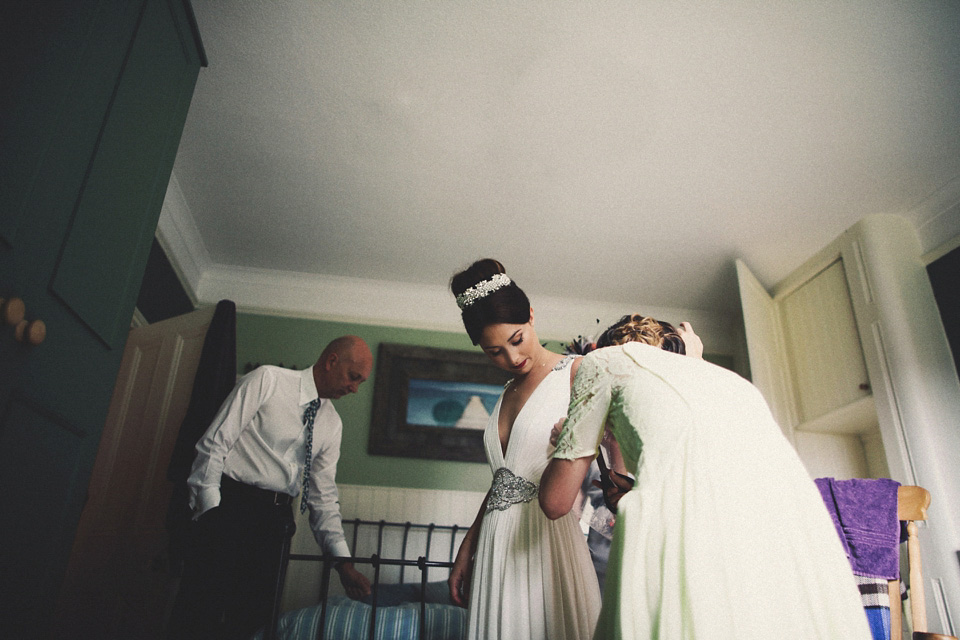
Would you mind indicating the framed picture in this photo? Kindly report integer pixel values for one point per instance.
(432, 403)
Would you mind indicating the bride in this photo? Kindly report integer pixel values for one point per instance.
(525, 577)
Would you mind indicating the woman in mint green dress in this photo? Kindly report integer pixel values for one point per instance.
(724, 534)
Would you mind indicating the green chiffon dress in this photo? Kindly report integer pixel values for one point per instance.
(724, 534)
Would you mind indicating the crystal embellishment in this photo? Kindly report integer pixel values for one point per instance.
(482, 289)
(509, 489)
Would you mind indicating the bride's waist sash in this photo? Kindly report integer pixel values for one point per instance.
(510, 489)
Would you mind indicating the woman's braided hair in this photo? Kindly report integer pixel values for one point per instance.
(637, 328)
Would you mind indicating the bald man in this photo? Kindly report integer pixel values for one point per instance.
(250, 465)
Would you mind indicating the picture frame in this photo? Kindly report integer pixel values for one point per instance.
(432, 403)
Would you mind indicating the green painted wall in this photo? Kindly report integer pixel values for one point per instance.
(298, 342)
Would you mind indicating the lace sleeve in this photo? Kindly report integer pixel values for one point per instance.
(587, 414)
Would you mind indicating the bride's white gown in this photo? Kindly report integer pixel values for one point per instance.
(532, 577)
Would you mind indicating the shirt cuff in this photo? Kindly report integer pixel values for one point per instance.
(341, 549)
(207, 498)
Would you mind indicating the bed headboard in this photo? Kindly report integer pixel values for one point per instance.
(451, 513)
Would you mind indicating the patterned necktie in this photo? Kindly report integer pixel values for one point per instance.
(308, 416)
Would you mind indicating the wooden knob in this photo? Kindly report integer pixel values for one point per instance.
(12, 311)
(33, 332)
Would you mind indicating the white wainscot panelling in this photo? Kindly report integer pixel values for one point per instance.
(409, 505)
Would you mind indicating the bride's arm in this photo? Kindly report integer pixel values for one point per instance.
(459, 580)
(555, 431)
(560, 484)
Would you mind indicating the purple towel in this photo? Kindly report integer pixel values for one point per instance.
(864, 511)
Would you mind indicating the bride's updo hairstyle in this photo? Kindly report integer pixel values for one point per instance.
(487, 296)
(638, 328)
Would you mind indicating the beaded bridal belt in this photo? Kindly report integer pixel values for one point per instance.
(509, 489)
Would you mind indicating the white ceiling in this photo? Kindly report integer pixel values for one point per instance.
(603, 151)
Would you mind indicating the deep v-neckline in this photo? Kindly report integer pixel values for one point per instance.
(504, 449)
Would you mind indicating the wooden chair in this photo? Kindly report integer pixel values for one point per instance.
(912, 503)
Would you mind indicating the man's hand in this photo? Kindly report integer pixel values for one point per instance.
(615, 489)
(355, 583)
(691, 341)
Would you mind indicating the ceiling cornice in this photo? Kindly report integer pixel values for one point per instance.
(179, 236)
(414, 306)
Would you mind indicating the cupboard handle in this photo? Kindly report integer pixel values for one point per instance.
(864, 386)
(12, 311)
(33, 332)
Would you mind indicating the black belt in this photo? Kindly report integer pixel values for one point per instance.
(241, 491)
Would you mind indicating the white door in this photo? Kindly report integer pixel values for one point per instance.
(117, 583)
(769, 369)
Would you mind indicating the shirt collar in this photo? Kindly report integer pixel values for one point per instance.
(308, 388)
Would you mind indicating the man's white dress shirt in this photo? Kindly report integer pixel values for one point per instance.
(258, 438)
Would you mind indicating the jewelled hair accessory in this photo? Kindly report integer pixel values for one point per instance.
(482, 289)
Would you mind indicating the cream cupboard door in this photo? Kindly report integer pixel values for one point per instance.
(117, 583)
(823, 344)
(769, 369)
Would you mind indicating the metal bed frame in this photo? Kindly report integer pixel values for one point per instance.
(375, 560)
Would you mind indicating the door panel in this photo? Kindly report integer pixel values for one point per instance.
(823, 344)
(38, 498)
(120, 182)
(35, 83)
(61, 101)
